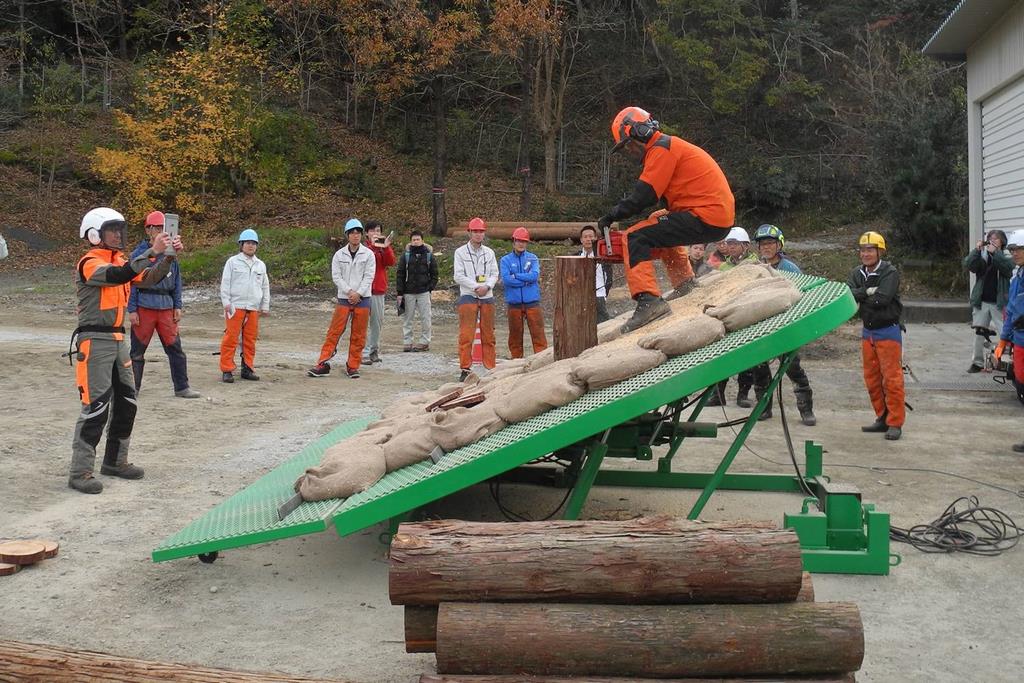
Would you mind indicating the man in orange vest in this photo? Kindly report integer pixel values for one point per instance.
(106, 385)
(700, 208)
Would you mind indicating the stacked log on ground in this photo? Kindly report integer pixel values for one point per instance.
(656, 598)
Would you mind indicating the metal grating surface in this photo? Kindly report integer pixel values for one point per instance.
(413, 486)
(250, 516)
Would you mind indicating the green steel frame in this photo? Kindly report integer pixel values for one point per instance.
(249, 517)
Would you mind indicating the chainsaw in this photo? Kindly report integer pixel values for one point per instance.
(609, 249)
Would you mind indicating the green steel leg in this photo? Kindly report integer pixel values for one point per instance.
(586, 478)
(665, 463)
(740, 439)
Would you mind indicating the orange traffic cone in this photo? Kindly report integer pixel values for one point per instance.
(478, 348)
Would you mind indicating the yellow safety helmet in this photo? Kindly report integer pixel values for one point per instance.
(871, 239)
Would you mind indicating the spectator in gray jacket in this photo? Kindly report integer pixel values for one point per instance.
(992, 268)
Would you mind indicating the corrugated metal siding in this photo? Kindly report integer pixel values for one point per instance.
(1002, 155)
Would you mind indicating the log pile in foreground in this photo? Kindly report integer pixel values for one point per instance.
(646, 599)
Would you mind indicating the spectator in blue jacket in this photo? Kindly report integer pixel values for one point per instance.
(520, 273)
(1012, 334)
(157, 308)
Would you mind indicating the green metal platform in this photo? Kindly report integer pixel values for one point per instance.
(250, 516)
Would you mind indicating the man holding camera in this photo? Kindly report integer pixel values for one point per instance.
(103, 373)
(992, 269)
(157, 308)
(876, 287)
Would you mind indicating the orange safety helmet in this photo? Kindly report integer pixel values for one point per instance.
(521, 234)
(476, 225)
(632, 123)
(155, 218)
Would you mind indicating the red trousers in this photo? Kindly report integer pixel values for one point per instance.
(641, 277)
(1018, 363)
(248, 324)
(468, 314)
(883, 376)
(534, 319)
(357, 337)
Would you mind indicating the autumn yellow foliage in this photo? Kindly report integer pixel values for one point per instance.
(192, 118)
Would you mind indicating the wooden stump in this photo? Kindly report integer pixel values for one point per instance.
(575, 324)
(649, 641)
(655, 560)
(31, 662)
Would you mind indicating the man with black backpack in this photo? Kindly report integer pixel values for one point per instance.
(416, 279)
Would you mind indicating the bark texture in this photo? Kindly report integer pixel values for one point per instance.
(575, 323)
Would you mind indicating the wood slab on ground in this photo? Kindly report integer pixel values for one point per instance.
(656, 560)
(33, 662)
(6, 569)
(649, 641)
(22, 552)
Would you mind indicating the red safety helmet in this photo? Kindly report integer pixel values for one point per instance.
(476, 225)
(155, 218)
(632, 123)
(521, 234)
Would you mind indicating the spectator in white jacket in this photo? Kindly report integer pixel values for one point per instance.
(352, 268)
(245, 294)
(476, 273)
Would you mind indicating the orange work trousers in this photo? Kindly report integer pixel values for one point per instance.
(246, 323)
(468, 314)
(356, 338)
(641, 277)
(534, 319)
(883, 376)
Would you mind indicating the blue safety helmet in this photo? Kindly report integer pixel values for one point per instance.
(770, 232)
(249, 235)
(353, 224)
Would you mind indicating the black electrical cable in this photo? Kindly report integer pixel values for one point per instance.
(495, 489)
(974, 529)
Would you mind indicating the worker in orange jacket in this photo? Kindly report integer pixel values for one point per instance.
(700, 208)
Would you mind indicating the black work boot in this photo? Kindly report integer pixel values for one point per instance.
(85, 483)
(648, 309)
(682, 290)
(124, 471)
(248, 374)
(742, 398)
(876, 427)
(767, 414)
(717, 396)
(1018, 448)
(806, 409)
(227, 377)
(893, 434)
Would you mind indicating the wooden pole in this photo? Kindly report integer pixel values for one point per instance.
(649, 641)
(552, 231)
(432, 678)
(575, 325)
(32, 662)
(654, 560)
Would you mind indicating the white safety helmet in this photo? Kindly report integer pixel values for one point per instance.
(96, 220)
(1015, 240)
(738, 234)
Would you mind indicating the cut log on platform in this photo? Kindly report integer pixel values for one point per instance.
(22, 552)
(421, 628)
(575, 324)
(649, 641)
(806, 593)
(644, 561)
(31, 662)
(545, 231)
(432, 678)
